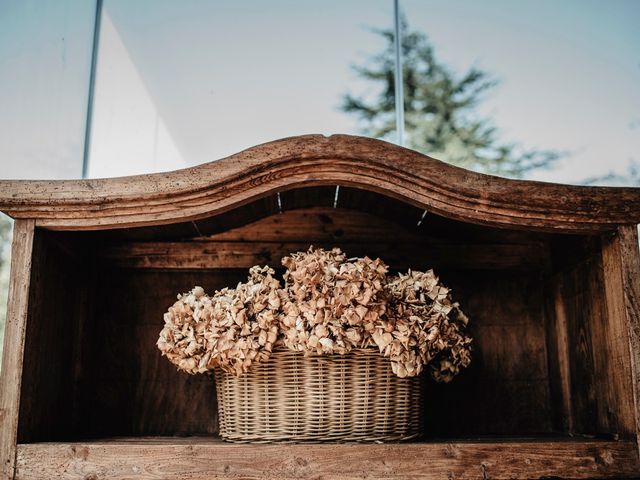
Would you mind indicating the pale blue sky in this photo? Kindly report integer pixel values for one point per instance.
(569, 72)
(181, 83)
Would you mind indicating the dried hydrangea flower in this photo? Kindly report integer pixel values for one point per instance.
(422, 326)
(243, 326)
(331, 303)
(182, 339)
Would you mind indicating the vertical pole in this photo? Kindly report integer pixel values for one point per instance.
(92, 82)
(399, 90)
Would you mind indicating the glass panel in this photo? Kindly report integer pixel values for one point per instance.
(45, 57)
(181, 83)
(568, 74)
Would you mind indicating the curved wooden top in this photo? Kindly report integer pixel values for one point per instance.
(314, 160)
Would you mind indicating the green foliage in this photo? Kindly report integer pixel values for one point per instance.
(439, 110)
(5, 254)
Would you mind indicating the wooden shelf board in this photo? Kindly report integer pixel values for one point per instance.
(208, 457)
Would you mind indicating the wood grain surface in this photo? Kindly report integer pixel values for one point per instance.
(269, 239)
(621, 263)
(311, 161)
(14, 337)
(194, 458)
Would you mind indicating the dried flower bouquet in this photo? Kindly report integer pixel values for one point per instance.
(329, 304)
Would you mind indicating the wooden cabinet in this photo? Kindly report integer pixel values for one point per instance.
(549, 275)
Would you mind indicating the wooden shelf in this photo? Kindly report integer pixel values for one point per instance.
(208, 457)
(549, 275)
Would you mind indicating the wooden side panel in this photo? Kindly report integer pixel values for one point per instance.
(175, 459)
(591, 325)
(558, 354)
(618, 341)
(578, 305)
(12, 358)
(57, 310)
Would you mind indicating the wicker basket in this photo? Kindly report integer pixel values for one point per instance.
(293, 398)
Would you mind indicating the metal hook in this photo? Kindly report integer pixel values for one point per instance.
(424, 214)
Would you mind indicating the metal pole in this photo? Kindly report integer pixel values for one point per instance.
(92, 83)
(399, 90)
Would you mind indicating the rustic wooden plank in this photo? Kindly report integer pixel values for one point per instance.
(505, 391)
(592, 381)
(374, 211)
(584, 303)
(620, 340)
(12, 357)
(364, 222)
(214, 254)
(203, 458)
(316, 161)
(358, 233)
(557, 340)
(322, 224)
(580, 341)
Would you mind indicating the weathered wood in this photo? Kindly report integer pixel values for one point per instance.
(583, 305)
(589, 338)
(555, 317)
(321, 224)
(505, 391)
(196, 458)
(357, 233)
(12, 357)
(620, 342)
(557, 339)
(360, 222)
(53, 343)
(127, 387)
(214, 254)
(122, 386)
(313, 161)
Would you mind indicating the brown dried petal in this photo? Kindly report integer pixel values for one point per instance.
(247, 318)
(182, 339)
(328, 300)
(422, 326)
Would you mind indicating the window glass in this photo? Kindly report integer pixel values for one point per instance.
(45, 59)
(182, 83)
